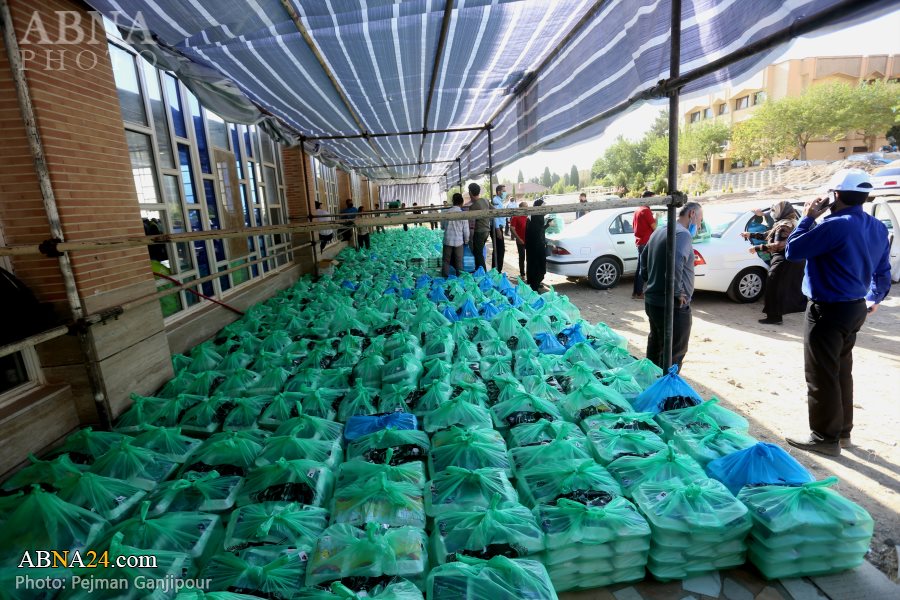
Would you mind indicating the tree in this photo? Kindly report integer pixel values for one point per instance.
(565, 179)
(657, 156)
(757, 138)
(660, 125)
(554, 179)
(873, 109)
(704, 140)
(573, 176)
(822, 111)
(520, 178)
(546, 178)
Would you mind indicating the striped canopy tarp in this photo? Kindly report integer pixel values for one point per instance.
(535, 71)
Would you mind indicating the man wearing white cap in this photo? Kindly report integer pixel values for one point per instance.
(847, 276)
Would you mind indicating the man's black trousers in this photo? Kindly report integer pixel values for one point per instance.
(828, 340)
(681, 333)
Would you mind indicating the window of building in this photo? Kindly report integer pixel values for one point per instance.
(860, 148)
(179, 189)
(19, 371)
(759, 98)
(707, 113)
(723, 108)
(695, 116)
(742, 103)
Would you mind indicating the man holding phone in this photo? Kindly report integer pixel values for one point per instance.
(848, 274)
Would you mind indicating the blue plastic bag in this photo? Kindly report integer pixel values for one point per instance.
(548, 344)
(573, 335)
(450, 314)
(504, 284)
(667, 393)
(360, 425)
(406, 293)
(423, 281)
(538, 304)
(761, 464)
(437, 294)
(468, 310)
(479, 272)
(349, 285)
(489, 311)
(485, 285)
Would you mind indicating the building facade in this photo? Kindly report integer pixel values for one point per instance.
(129, 151)
(731, 105)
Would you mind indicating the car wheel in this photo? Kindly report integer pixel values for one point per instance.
(748, 285)
(604, 273)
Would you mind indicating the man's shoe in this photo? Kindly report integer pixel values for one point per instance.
(845, 442)
(768, 321)
(637, 296)
(810, 444)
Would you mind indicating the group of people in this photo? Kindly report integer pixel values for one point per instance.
(528, 232)
(844, 265)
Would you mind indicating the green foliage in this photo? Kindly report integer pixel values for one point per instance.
(546, 178)
(759, 138)
(520, 178)
(874, 108)
(703, 140)
(573, 176)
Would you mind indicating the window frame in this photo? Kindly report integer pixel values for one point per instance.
(743, 99)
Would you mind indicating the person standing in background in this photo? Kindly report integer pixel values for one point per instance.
(511, 202)
(498, 202)
(325, 235)
(482, 225)
(417, 212)
(350, 211)
(363, 239)
(536, 249)
(643, 224)
(434, 211)
(405, 225)
(517, 227)
(582, 199)
(848, 274)
(653, 263)
(456, 236)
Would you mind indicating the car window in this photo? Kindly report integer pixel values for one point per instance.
(717, 222)
(887, 172)
(627, 220)
(882, 213)
(615, 228)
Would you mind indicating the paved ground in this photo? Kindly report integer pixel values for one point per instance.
(758, 371)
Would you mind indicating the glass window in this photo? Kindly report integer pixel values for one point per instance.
(723, 108)
(173, 203)
(759, 98)
(158, 110)
(269, 178)
(200, 131)
(125, 72)
(265, 143)
(142, 168)
(707, 113)
(175, 109)
(218, 131)
(12, 372)
(212, 208)
(695, 116)
(187, 174)
(742, 103)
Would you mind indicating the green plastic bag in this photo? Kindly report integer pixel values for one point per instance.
(284, 406)
(110, 498)
(206, 417)
(673, 420)
(457, 489)
(523, 408)
(291, 447)
(805, 530)
(525, 457)
(405, 369)
(436, 369)
(344, 552)
(180, 362)
(547, 388)
(169, 442)
(467, 352)
(194, 533)
(304, 481)
(581, 480)
(204, 358)
(270, 382)
(495, 348)
(239, 383)
(244, 413)
(666, 465)
(458, 411)
(544, 432)
(527, 364)
(499, 578)
(622, 382)
(360, 400)
(496, 531)
(614, 356)
(42, 520)
(46, 473)
(143, 411)
(358, 469)
(439, 346)
(369, 370)
(312, 427)
(696, 527)
(320, 402)
(139, 466)
(585, 354)
(407, 445)
(85, 445)
(288, 524)
(206, 492)
(228, 452)
(394, 589)
(267, 571)
(705, 442)
(380, 500)
(303, 379)
(577, 376)
(632, 421)
(397, 398)
(611, 444)
(462, 374)
(432, 396)
(592, 399)
(469, 449)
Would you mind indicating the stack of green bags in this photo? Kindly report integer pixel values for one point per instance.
(805, 530)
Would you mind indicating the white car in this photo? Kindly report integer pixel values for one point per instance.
(600, 247)
(886, 180)
(887, 210)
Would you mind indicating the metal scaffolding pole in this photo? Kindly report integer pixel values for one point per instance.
(674, 68)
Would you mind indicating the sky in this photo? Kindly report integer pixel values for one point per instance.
(877, 36)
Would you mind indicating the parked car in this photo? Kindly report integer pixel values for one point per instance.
(886, 180)
(600, 247)
(887, 210)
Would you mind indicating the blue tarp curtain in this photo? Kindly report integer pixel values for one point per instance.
(247, 61)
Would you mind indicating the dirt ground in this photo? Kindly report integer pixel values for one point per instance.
(757, 370)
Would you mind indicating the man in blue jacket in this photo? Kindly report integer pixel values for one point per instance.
(848, 274)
